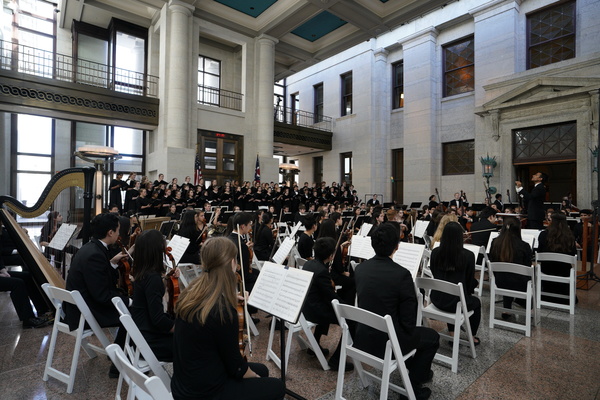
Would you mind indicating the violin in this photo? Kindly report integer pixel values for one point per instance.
(242, 339)
(172, 284)
(124, 271)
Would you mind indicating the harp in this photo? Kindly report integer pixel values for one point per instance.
(39, 267)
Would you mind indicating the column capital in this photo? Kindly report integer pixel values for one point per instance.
(381, 54)
(417, 38)
(263, 38)
(182, 7)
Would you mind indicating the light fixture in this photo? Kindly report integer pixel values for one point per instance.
(488, 164)
(100, 156)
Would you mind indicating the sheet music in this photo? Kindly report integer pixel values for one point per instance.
(365, 228)
(493, 235)
(178, 245)
(420, 228)
(361, 247)
(409, 256)
(295, 229)
(62, 236)
(283, 250)
(281, 291)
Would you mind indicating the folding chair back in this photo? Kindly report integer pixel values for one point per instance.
(156, 390)
(482, 266)
(59, 296)
(567, 280)
(459, 318)
(529, 295)
(393, 358)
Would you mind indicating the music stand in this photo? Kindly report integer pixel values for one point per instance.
(416, 204)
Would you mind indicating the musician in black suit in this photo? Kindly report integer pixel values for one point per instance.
(384, 287)
(242, 225)
(457, 201)
(534, 200)
(116, 186)
(499, 204)
(484, 227)
(93, 273)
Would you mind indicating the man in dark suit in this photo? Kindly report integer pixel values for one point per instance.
(317, 307)
(534, 200)
(457, 201)
(93, 273)
(242, 225)
(484, 227)
(384, 287)
(499, 204)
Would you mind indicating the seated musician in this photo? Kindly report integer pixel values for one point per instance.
(48, 231)
(317, 306)
(384, 288)
(484, 227)
(207, 363)
(241, 226)
(22, 289)
(147, 309)
(192, 227)
(93, 273)
(263, 238)
(306, 241)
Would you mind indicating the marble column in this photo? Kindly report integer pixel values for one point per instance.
(380, 151)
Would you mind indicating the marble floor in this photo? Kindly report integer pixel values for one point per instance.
(559, 361)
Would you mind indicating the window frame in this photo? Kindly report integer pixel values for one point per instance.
(397, 88)
(343, 173)
(445, 73)
(445, 158)
(346, 98)
(201, 87)
(318, 91)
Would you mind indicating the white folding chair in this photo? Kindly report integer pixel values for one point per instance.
(140, 354)
(529, 295)
(425, 270)
(568, 280)
(459, 318)
(300, 262)
(427, 240)
(58, 296)
(294, 331)
(187, 273)
(479, 250)
(393, 359)
(143, 387)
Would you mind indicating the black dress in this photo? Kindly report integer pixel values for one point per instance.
(554, 268)
(521, 255)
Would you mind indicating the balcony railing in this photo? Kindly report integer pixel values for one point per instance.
(305, 119)
(212, 96)
(34, 61)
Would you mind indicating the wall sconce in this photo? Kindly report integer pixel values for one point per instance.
(488, 164)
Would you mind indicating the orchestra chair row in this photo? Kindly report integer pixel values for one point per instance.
(81, 334)
(529, 296)
(294, 331)
(138, 352)
(393, 359)
(568, 280)
(479, 251)
(152, 388)
(459, 318)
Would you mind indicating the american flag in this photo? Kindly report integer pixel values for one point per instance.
(257, 171)
(197, 170)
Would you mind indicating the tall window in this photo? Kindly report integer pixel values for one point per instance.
(459, 67)
(346, 94)
(398, 85)
(551, 35)
(209, 81)
(33, 148)
(346, 161)
(279, 101)
(458, 158)
(34, 29)
(295, 107)
(318, 169)
(318, 109)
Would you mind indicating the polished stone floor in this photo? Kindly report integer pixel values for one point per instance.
(559, 361)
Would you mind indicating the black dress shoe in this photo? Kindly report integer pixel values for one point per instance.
(34, 322)
(335, 366)
(113, 372)
(310, 352)
(421, 393)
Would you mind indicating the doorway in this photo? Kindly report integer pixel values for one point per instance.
(562, 179)
(398, 175)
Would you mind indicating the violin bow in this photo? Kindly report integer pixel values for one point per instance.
(244, 289)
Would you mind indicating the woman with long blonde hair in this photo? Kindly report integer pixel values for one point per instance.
(437, 236)
(207, 362)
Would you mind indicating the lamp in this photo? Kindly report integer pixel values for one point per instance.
(100, 156)
(288, 170)
(488, 164)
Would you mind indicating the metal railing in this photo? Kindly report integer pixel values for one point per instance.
(34, 61)
(212, 96)
(306, 119)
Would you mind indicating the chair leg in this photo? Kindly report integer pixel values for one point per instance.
(51, 349)
(455, 346)
(271, 336)
(572, 295)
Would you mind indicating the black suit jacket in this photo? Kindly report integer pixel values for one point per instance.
(481, 238)
(384, 287)
(535, 202)
(317, 306)
(93, 276)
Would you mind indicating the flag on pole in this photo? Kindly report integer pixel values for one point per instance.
(257, 170)
(197, 170)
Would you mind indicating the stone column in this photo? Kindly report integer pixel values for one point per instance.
(264, 109)
(380, 151)
(178, 75)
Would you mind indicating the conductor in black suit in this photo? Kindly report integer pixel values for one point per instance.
(384, 287)
(534, 200)
(93, 273)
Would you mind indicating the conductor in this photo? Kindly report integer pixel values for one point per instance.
(534, 200)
